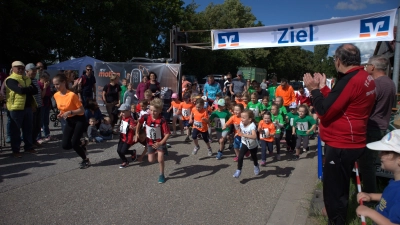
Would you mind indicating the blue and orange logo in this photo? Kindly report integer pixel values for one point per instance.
(375, 27)
(230, 39)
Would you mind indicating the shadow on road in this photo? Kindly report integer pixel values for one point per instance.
(279, 172)
(187, 171)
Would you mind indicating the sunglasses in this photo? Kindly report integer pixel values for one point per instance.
(89, 69)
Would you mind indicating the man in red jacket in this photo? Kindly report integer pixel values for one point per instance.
(343, 113)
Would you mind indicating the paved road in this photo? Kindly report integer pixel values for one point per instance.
(49, 188)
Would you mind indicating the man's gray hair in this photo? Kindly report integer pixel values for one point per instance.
(379, 62)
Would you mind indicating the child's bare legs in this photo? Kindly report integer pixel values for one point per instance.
(174, 124)
(196, 142)
(221, 144)
(140, 159)
(161, 161)
(181, 126)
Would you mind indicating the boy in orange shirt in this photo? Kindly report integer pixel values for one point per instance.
(185, 109)
(199, 118)
(267, 133)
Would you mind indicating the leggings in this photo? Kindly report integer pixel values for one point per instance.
(123, 149)
(72, 134)
(243, 151)
(264, 146)
(278, 138)
(290, 139)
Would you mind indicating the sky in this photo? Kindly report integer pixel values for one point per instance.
(280, 12)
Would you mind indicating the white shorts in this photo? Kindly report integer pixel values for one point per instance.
(222, 134)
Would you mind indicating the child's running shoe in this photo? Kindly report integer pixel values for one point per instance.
(247, 155)
(256, 170)
(235, 159)
(187, 138)
(237, 174)
(219, 155)
(161, 179)
(210, 152)
(230, 146)
(263, 163)
(295, 157)
(278, 157)
(134, 156)
(124, 165)
(85, 164)
(196, 148)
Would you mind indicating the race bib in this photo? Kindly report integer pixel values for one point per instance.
(123, 127)
(219, 123)
(153, 133)
(175, 111)
(250, 143)
(291, 121)
(198, 124)
(264, 133)
(302, 126)
(185, 112)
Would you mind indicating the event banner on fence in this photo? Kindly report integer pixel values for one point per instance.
(363, 28)
(167, 74)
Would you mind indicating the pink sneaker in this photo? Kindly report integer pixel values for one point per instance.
(263, 163)
(235, 159)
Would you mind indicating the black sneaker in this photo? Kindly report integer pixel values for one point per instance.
(134, 156)
(85, 164)
(295, 157)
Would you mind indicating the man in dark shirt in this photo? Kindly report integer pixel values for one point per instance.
(227, 85)
(378, 121)
(260, 91)
(18, 93)
(88, 85)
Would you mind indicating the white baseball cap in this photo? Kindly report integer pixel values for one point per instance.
(390, 142)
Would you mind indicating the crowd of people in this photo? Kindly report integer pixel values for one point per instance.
(247, 116)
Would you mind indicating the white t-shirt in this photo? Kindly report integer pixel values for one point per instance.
(250, 143)
(142, 113)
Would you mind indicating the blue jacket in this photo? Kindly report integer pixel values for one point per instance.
(212, 90)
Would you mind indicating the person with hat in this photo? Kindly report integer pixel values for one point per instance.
(30, 70)
(238, 85)
(388, 209)
(71, 109)
(220, 117)
(20, 101)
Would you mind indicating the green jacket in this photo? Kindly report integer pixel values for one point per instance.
(16, 101)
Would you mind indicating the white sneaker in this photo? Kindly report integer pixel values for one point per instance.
(196, 148)
(237, 173)
(210, 152)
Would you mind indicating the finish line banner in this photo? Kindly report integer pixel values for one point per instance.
(363, 28)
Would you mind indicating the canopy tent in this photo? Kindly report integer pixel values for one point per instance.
(78, 64)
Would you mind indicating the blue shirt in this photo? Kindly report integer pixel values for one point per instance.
(389, 205)
(97, 114)
(212, 90)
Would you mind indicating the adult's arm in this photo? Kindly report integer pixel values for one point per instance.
(205, 89)
(231, 88)
(219, 90)
(14, 86)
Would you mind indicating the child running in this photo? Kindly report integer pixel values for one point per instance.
(127, 132)
(185, 109)
(200, 126)
(249, 142)
(235, 121)
(277, 119)
(157, 133)
(255, 106)
(267, 132)
(302, 126)
(388, 210)
(220, 116)
(290, 117)
(175, 104)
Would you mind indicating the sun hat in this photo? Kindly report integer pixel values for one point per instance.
(124, 107)
(17, 63)
(390, 142)
(221, 102)
(30, 66)
(293, 105)
(174, 95)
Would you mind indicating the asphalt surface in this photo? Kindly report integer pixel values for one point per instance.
(49, 188)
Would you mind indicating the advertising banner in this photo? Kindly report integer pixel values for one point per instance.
(167, 74)
(363, 28)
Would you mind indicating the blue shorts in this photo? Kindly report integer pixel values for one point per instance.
(185, 123)
(237, 142)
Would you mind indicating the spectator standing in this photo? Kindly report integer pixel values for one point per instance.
(262, 92)
(343, 114)
(286, 91)
(153, 85)
(378, 121)
(211, 89)
(141, 88)
(19, 95)
(263, 84)
(238, 84)
(111, 95)
(88, 84)
(44, 84)
(227, 86)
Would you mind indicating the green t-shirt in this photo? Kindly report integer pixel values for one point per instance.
(251, 90)
(220, 118)
(291, 117)
(277, 120)
(303, 124)
(271, 89)
(266, 108)
(283, 111)
(123, 90)
(257, 109)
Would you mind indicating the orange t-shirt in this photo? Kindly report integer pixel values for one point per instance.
(267, 127)
(67, 102)
(287, 94)
(235, 120)
(175, 106)
(198, 121)
(186, 109)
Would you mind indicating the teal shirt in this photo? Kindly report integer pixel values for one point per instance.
(220, 118)
(291, 117)
(122, 93)
(303, 124)
(257, 109)
(277, 120)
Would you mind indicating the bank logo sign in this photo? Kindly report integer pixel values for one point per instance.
(374, 27)
(230, 39)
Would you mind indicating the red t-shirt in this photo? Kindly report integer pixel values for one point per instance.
(302, 99)
(127, 134)
(155, 129)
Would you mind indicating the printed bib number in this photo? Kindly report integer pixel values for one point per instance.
(153, 133)
(198, 124)
(186, 112)
(302, 126)
(250, 143)
(264, 133)
(291, 121)
(219, 123)
(175, 111)
(123, 127)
